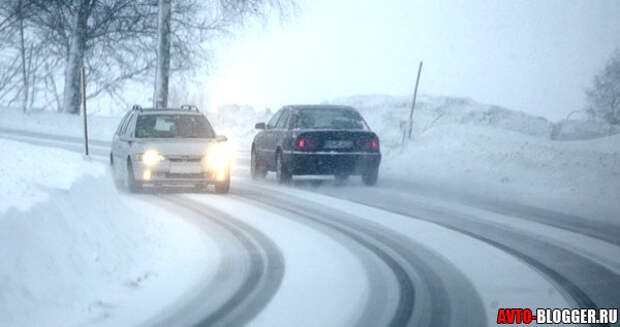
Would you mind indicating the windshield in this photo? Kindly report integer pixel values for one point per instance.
(173, 126)
(329, 119)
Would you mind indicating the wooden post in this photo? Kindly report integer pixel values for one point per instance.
(85, 113)
(415, 94)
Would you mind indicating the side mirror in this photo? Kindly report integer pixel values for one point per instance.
(259, 126)
(221, 138)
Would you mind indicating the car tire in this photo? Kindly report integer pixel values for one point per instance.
(256, 168)
(282, 173)
(201, 188)
(117, 181)
(223, 187)
(133, 186)
(341, 178)
(370, 176)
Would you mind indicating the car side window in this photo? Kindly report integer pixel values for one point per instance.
(122, 123)
(272, 122)
(124, 128)
(131, 126)
(282, 122)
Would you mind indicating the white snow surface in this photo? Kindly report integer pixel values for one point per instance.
(76, 252)
(99, 127)
(580, 177)
(325, 281)
(495, 283)
(28, 173)
(468, 147)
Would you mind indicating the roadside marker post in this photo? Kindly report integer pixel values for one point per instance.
(85, 113)
(415, 94)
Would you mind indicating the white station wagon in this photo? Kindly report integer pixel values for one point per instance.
(169, 147)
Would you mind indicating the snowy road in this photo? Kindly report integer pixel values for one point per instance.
(319, 253)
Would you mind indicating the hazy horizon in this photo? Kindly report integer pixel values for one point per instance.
(533, 56)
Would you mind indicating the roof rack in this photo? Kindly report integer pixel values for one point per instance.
(185, 107)
(189, 107)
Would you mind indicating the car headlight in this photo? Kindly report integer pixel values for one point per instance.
(218, 156)
(150, 157)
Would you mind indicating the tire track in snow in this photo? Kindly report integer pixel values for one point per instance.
(583, 281)
(414, 266)
(261, 281)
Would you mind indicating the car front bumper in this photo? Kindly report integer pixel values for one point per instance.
(165, 174)
(328, 163)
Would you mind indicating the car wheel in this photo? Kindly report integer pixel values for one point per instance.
(282, 173)
(341, 178)
(370, 176)
(133, 185)
(223, 186)
(118, 182)
(201, 188)
(257, 169)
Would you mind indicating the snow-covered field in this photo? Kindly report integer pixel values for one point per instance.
(75, 252)
(480, 149)
(577, 177)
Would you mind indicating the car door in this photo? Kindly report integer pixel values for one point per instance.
(264, 143)
(116, 148)
(280, 132)
(125, 140)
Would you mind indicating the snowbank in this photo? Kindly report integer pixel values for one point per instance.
(387, 114)
(578, 176)
(87, 255)
(583, 129)
(484, 149)
(99, 127)
(28, 173)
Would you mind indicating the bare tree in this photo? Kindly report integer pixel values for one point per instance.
(13, 17)
(604, 95)
(163, 55)
(187, 35)
(116, 40)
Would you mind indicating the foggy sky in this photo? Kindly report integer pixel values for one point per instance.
(536, 56)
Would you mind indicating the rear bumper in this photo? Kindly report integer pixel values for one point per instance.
(329, 163)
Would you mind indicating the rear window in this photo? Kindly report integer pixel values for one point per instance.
(173, 126)
(329, 119)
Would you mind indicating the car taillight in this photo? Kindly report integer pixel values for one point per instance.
(305, 143)
(369, 144)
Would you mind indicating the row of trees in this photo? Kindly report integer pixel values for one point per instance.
(44, 44)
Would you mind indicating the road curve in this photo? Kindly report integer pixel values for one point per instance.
(433, 292)
(262, 275)
(585, 282)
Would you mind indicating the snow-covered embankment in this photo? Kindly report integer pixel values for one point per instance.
(471, 148)
(76, 252)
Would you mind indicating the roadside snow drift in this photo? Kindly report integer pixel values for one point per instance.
(76, 252)
(481, 149)
(28, 173)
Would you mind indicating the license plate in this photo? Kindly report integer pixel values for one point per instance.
(188, 168)
(332, 144)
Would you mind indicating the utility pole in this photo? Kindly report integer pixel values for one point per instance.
(415, 94)
(85, 113)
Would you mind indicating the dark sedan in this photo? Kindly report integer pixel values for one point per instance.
(316, 140)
